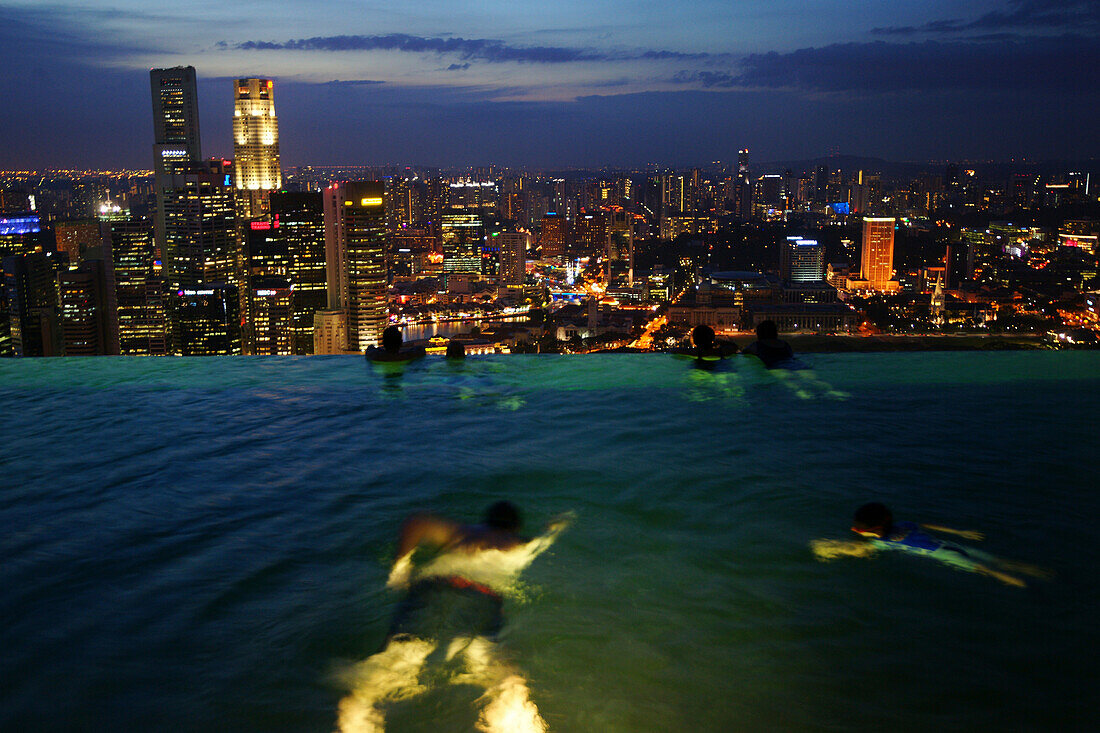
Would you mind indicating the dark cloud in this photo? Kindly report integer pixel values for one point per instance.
(353, 82)
(707, 79)
(458, 67)
(1039, 65)
(1026, 16)
(482, 49)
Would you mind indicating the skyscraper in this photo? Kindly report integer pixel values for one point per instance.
(802, 260)
(355, 239)
(513, 257)
(175, 131)
(207, 321)
(877, 260)
(139, 288)
(89, 321)
(299, 220)
(255, 145)
(199, 219)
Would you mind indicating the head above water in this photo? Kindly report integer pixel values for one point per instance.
(702, 337)
(767, 330)
(391, 339)
(503, 515)
(872, 520)
(455, 350)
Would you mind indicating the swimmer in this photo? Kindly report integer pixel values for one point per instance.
(876, 523)
(454, 602)
(705, 347)
(455, 350)
(768, 347)
(391, 348)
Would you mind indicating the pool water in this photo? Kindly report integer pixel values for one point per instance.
(203, 544)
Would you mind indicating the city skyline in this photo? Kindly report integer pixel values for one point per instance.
(526, 85)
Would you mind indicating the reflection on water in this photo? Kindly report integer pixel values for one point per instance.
(209, 539)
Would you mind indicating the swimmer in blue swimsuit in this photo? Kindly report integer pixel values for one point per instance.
(455, 577)
(875, 522)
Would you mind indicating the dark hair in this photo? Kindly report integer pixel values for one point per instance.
(767, 330)
(873, 516)
(455, 350)
(702, 336)
(391, 339)
(503, 515)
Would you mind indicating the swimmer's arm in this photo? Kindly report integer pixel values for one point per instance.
(1003, 577)
(826, 550)
(554, 527)
(968, 534)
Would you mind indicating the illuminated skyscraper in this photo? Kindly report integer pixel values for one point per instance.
(877, 261)
(89, 321)
(513, 257)
(355, 240)
(463, 235)
(299, 220)
(802, 260)
(553, 236)
(175, 131)
(207, 321)
(139, 288)
(255, 145)
(75, 237)
(30, 284)
(200, 243)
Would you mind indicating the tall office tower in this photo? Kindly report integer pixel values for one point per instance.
(20, 233)
(553, 237)
(30, 283)
(75, 237)
(175, 132)
(462, 238)
(877, 261)
(513, 258)
(620, 243)
(801, 260)
(200, 243)
(255, 145)
(330, 332)
(590, 234)
(355, 256)
(139, 288)
(769, 191)
(402, 203)
(299, 219)
(207, 320)
(269, 301)
(89, 318)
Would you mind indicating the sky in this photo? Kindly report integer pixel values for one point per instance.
(561, 84)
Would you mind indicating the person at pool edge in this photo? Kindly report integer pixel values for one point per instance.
(875, 522)
(391, 348)
(453, 602)
(768, 347)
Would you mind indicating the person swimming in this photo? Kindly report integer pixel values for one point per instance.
(391, 348)
(705, 347)
(453, 600)
(875, 522)
(768, 347)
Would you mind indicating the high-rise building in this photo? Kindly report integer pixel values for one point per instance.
(299, 219)
(255, 145)
(553, 236)
(877, 259)
(802, 260)
(30, 285)
(89, 321)
(176, 140)
(270, 304)
(75, 237)
(355, 255)
(462, 238)
(207, 320)
(330, 331)
(200, 244)
(139, 289)
(513, 257)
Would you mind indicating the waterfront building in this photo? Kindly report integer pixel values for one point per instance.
(207, 320)
(176, 140)
(355, 241)
(256, 171)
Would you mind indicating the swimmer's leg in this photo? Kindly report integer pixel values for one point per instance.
(1003, 577)
(508, 707)
(391, 674)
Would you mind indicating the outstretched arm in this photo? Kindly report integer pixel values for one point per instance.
(554, 527)
(968, 534)
(1003, 577)
(826, 550)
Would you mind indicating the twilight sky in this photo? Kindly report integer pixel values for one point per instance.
(562, 82)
